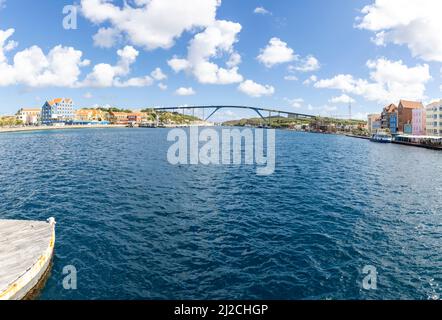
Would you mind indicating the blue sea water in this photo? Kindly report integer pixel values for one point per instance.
(136, 227)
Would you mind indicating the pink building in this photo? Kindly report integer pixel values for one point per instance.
(419, 122)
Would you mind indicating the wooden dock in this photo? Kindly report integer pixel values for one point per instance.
(26, 250)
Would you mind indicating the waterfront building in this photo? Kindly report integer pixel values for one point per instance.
(434, 118)
(374, 123)
(90, 115)
(419, 122)
(119, 118)
(389, 118)
(58, 111)
(29, 116)
(405, 114)
(136, 117)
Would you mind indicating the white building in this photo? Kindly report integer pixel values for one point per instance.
(434, 118)
(29, 116)
(58, 111)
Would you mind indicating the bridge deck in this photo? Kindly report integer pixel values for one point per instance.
(26, 249)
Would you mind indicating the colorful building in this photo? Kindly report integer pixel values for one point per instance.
(29, 116)
(419, 122)
(119, 118)
(90, 115)
(136, 117)
(434, 118)
(58, 111)
(405, 114)
(389, 118)
(374, 123)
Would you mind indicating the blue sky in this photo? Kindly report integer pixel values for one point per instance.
(309, 56)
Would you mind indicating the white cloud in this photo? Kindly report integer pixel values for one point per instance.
(185, 91)
(291, 78)
(178, 65)
(88, 95)
(106, 75)
(106, 37)
(261, 10)
(276, 52)
(389, 81)
(256, 90)
(31, 67)
(295, 103)
(158, 74)
(342, 99)
(162, 86)
(213, 42)
(152, 24)
(414, 23)
(309, 64)
(313, 78)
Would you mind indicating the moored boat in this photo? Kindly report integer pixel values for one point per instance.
(381, 137)
(26, 250)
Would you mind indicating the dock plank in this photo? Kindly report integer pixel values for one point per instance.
(22, 245)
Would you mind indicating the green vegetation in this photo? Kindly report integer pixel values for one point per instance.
(275, 122)
(169, 117)
(10, 122)
(322, 124)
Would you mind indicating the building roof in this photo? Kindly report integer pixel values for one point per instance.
(390, 108)
(59, 100)
(119, 114)
(435, 104)
(30, 109)
(411, 104)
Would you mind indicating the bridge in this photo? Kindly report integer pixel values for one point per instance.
(259, 111)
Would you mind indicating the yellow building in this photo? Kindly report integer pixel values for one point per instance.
(90, 115)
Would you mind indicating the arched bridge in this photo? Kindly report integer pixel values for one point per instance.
(259, 111)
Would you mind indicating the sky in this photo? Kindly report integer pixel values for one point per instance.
(307, 56)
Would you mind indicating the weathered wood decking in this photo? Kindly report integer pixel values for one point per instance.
(26, 249)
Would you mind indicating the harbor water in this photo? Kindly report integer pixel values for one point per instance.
(136, 227)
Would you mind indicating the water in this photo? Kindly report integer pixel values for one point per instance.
(136, 227)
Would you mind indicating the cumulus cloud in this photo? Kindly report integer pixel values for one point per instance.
(256, 90)
(158, 74)
(106, 37)
(162, 86)
(261, 10)
(414, 23)
(308, 64)
(215, 41)
(185, 91)
(342, 99)
(312, 79)
(295, 103)
(152, 24)
(33, 68)
(276, 52)
(61, 67)
(291, 78)
(389, 81)
(106, 75)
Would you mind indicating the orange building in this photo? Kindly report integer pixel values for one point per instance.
(119, 117)
(405, 113)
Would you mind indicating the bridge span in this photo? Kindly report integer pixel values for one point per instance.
(258, 110)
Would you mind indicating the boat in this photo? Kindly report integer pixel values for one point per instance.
(26, 251)
(382, 137)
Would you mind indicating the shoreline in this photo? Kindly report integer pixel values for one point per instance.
(31, 129)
